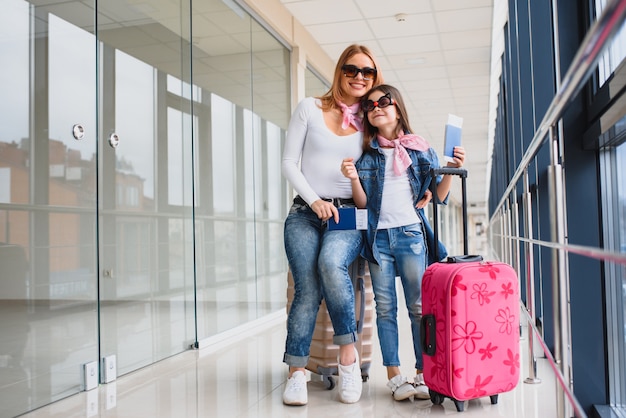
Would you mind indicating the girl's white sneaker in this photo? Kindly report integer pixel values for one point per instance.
(401, 388)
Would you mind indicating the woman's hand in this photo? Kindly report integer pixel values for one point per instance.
(325, 210)
(459, 157)
(348, 169)
(428, 195)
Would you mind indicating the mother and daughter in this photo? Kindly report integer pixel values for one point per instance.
(361, 126)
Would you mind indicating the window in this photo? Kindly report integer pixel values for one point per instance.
(612, 162)
(616, 52)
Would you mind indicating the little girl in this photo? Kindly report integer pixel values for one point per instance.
(391, 179)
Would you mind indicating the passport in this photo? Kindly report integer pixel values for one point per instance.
(349, 218)
(452, 137)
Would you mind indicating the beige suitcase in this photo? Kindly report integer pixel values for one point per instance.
(323, 354)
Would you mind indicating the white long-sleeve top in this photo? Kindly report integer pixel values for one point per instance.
(312, 154)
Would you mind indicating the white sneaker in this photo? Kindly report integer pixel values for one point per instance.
(401, 388)
(420, 387)
(295, 391)
(350, 381)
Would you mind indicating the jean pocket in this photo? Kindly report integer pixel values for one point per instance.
(413, 230)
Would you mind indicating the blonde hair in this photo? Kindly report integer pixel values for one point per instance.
(335, 94)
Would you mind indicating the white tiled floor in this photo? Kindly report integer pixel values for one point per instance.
(246, 379)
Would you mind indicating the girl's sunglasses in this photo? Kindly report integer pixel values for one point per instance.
(352, 71)
(382, 102)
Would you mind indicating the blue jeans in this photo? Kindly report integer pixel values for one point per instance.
(402, 253)
(318, 260)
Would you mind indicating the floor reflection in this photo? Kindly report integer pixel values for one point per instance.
(245, 377)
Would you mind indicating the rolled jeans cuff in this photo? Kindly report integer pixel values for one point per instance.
(295, 361)
(345, 338)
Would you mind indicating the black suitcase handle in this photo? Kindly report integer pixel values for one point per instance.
(464, 258)
(427, 335)
(454, 171)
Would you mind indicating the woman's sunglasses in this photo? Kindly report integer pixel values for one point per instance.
(352, 71)
(382, 102)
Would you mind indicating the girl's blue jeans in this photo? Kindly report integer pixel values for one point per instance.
(402, 253)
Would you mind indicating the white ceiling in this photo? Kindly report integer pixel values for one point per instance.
(439, 56)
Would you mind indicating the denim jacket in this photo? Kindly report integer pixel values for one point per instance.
(371, 169)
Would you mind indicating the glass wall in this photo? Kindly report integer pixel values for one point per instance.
(48, 255)
(572, 273)
(141, 198)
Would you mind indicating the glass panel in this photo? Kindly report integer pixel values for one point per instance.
(615, 234)
(620, 271)
(47, 202)
(222, 72)
(274, 201)
(252, 169)
(242, 74)
(621, 216)
(313, 84)
(613, 175)
(272, 110)
(223, 153)
(145, 225)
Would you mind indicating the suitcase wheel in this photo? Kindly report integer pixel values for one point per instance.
(365, 375)
(436, 397)
(494, 399)
(460, 405)
(329, 382)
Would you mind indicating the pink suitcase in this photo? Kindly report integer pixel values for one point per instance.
(470, 318)
(470, 327)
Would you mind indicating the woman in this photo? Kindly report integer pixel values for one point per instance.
(322, 132)
(391, 179)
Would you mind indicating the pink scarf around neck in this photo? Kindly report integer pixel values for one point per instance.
(350, 116)
(401, 158)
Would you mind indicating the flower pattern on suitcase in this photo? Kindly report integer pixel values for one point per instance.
(476, 330)
(507, 320)
(466, 336)
(481, 293)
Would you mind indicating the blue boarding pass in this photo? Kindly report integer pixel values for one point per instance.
(349, 218)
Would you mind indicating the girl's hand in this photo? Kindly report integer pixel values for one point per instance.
(348, 169)
(424, 200)
(459, 157)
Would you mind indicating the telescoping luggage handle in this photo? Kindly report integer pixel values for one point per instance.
(461, 172)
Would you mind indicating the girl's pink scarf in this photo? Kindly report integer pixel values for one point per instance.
(401, 159)
(350, 116)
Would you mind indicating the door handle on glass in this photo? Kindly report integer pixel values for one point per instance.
(114, 140)
(78, 131)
